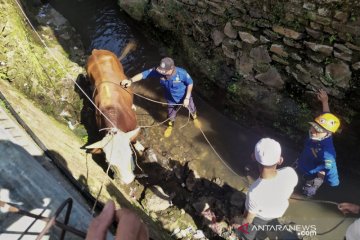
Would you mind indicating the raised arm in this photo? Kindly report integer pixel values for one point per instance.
(324, 99)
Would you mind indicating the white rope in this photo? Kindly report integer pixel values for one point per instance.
(61, 65)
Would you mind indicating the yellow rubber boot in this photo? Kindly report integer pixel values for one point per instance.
(168, 130)
(197, 123)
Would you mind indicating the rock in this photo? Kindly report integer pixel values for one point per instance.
(346, 28)
(301, 77)
(301, 69)
(342, 48)
(244, 65)
(135, 8)
(247, 37)
(309, 6)
(287, 32)
(317, 57)
(329, 30)
(190, 182)
(280, 60)
(238, 23)
(292, 43)
(321, 20)
(155, 199)
(218, 182)
(264, 39)
(324, 12)
(315, 26)
(339, 73)
(272, 35)
(352, 46)
(237, 199)
(271, 78)
(260, 54)
(279, 50)
(356, 66)
(315, 34)
(343, 56)
(203, 204)
(150, 155)
(324, 49)
(228, 51)
(341, 16)
(314, 69)
(56, 18)
(217, 36)
(199, 235)
(230, 31)
(295, 56)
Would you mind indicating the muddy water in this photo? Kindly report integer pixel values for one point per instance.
(102, 25)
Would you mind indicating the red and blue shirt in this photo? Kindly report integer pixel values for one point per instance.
(175, 86)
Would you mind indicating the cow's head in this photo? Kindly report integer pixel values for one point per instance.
(116, 146)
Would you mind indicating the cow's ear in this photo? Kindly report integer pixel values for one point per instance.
(100, 144)
(132, 133)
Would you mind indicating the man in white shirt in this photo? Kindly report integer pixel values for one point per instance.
(268, 197)
(353, 231)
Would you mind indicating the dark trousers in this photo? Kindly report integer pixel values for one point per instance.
(172, 109)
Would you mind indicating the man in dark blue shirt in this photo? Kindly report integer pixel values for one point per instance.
(317, 162)
(177, 84)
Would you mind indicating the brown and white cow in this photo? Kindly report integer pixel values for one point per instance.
(105, 73)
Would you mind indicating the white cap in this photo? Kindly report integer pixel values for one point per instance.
(267, 152)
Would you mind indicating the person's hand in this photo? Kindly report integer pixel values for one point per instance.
(349, 208)
(186, 102)
(321, 174)
(99, 225)
(130, 226)
(322, 96)
(126, 83)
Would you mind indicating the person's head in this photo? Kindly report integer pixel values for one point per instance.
(323, 126)
(268, 153)
(166, 66)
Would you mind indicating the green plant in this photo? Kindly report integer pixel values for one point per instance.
(328, 78)
(232, 88)
(349, 37)
(332, 38)
(4, 106)
(328, 60)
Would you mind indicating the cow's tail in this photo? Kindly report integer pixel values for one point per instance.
(131, 46)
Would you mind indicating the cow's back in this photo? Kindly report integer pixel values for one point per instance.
(105, 73)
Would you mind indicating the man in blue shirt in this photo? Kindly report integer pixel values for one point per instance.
(177, 84)
(317, 162)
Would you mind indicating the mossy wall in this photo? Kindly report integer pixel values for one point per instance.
(41, 68)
